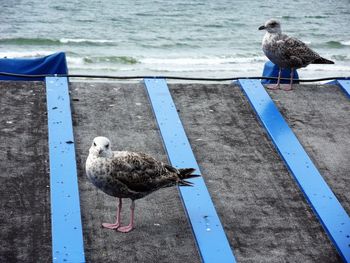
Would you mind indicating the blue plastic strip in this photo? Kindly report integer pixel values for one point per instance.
(208, 231)
(67, 237)
(345, 85)
(326, 206)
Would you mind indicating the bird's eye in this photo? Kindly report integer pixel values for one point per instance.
(94, 144)
(107, 145)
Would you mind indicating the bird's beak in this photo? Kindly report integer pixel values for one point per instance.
(262, 28)
(100, 151)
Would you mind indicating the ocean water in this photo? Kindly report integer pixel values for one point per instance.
(203, 38)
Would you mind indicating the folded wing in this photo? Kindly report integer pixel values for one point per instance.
(142, 173)
(297, 52)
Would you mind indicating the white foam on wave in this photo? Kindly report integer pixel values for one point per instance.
(178, 62)
(75, 61)
(345, 43)
(178, 66)
(84, 40)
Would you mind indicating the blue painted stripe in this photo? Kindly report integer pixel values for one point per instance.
(67, 237)
(326, 206)
(345, 85)
(208, 231)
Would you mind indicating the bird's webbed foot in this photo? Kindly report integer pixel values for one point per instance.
(111, 226)
(125, 229)
(288, 88)
(273, 87)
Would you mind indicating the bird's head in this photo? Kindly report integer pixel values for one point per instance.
(271, 26)
(101, 147)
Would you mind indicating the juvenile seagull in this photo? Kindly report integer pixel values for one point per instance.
(131, 175)
(287, 52)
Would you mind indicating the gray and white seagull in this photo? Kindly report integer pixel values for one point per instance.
(133, 175)
(287, 52)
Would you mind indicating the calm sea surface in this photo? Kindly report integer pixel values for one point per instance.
(177, 37)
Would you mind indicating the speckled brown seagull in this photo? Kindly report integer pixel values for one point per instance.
(131, 175)
(286, 51)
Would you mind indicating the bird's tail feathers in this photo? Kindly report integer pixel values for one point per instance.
(186, 173)
(321, 60)
(183, 173)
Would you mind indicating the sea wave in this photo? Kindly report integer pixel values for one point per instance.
(201, 60)
(25, 54)
(341, 57)
(337, 44)
(166, 62)
(316, 17)
(111, 59)
(55, 42)
(168, 45)
(28, 41)
(86, 41)
(343, 68)
(287, 17)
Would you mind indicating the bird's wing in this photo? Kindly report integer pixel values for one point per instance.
(292, 47)
(141, 172)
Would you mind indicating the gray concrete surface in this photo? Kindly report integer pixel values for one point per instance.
(25, 228)
(262, 210)
(162, 234)
(319, 115)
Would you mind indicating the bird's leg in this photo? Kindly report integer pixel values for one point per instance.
(117, 223)
(129, 227)
(277, 86)
(291, 81)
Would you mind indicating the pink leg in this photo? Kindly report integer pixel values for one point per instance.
(117, 223)
(128, 228)
(291, 81)
(277, 86)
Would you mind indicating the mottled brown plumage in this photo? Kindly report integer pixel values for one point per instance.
(287, 52)
(131, 175)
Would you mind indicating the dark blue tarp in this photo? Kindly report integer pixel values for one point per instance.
(271, 70)
(52, 64)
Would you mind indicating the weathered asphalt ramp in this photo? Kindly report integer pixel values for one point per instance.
(319, 116)
(25, 233)
(162, 234)
(263, 212)
(265, 216)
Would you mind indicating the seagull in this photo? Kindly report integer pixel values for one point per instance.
(286, 51)
(133, 175)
